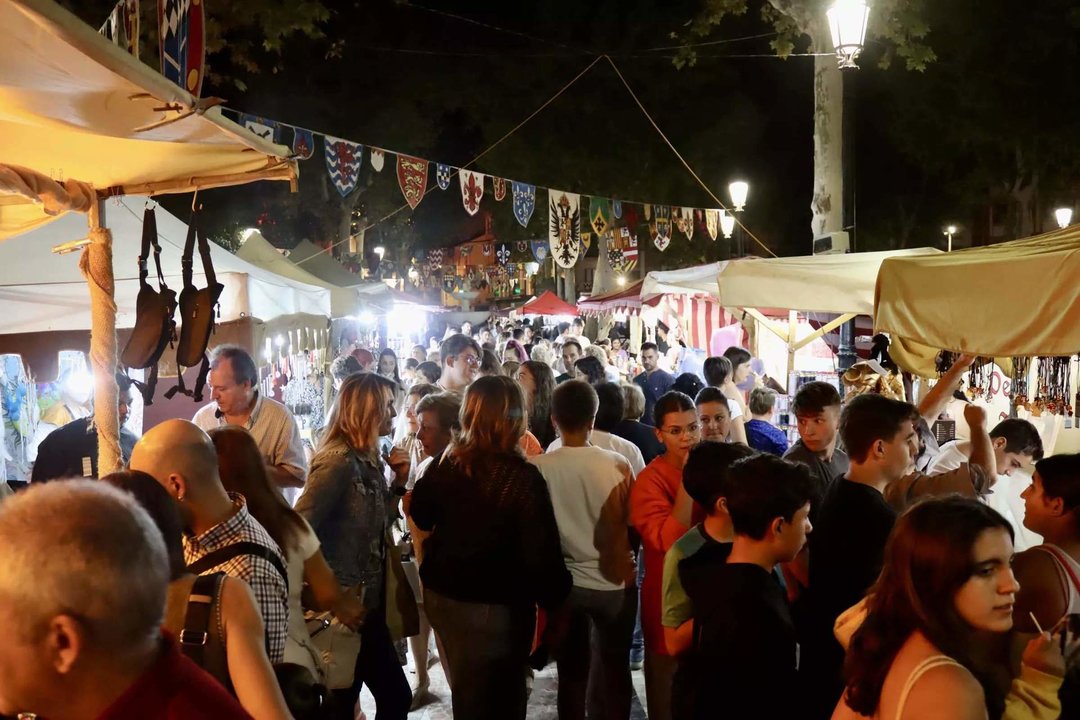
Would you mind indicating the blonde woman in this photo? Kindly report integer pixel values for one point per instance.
(348, 504)
(493, 553)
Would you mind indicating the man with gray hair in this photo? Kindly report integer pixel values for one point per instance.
(234, 387)
(83, 582)
(221, 535)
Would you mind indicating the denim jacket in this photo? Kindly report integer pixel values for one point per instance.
(349, 505)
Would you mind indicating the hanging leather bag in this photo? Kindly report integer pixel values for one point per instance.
(154, 324)
(197, 308)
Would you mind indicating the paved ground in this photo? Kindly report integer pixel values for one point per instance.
(541, 702)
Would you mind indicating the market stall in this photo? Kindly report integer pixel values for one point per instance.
(686, 299)
(547, 303)
(81, 121)
(837, 288)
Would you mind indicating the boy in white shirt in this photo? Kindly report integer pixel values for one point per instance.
(590, 493)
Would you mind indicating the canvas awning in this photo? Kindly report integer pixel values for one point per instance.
(1019, 298)
(547, 303)
(700, 279)
(74, 107)
(627, 299)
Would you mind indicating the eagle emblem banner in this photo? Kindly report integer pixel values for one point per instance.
(564, 227)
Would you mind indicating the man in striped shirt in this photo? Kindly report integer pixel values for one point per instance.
(182, 459)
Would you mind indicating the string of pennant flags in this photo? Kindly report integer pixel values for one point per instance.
(569, 234)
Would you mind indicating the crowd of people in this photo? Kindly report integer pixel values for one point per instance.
(515, 500)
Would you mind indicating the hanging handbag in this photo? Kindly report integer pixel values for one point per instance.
(154, 324)
(196, 315)
(338, 647)
(402, 615)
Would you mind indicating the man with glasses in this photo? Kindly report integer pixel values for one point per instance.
(460, 356)
(660, 510)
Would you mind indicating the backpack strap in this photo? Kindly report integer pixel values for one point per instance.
(204, 593)
(146, 389)
(186, 261)
(227, 553)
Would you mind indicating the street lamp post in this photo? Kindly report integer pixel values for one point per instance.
(949, 232)
(738, 190)
(847, 24)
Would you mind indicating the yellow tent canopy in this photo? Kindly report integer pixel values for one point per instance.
(1019, 298)
(81, 120)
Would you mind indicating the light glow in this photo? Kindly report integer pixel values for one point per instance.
(847, 23)
(738, 191)
(727, 223)
(1063, 215)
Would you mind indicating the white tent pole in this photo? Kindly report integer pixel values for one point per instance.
(97, 266)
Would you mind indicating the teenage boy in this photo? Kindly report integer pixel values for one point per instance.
(744, 644)
(852, 526)
(703, 479)
(460, 357)
(817, 411)
(1016, 444)
(660, 511)
(590, 493)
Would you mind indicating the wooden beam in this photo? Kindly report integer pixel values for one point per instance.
(824, 329)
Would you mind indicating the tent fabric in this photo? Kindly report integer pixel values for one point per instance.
(836, 284)
(41, 292)
(700, 279)
(1019, 298)
(626, 299)
(547, 303)
(75, 106)
(315, 260)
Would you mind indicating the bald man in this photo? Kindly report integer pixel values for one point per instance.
(220, 534)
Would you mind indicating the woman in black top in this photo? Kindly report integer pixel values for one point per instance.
(537, 381)
(493, 554)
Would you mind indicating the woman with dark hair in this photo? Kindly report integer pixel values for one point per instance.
(740, 363)
(590, 370)
(484, 500)
(537, 382)
(945, 591)
(388, 365)
(243, 471)
(350, 506)
(234, 651)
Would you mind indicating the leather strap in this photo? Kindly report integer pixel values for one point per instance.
(205, 590)
(227, 553)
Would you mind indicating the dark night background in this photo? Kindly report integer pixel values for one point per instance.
(984, 137)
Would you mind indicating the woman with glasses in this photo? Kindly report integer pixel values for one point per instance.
(493, 554)
(660, 511)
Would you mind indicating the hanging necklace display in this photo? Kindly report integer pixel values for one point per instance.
(944, 361)
(1067, 397)
(978, 383)
(1021, 367)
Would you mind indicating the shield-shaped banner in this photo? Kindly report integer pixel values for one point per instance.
(712, 223)
(378, 159)
(599, 214)
(684, 221)
(586, 242)
(442, 175)
(503, 254)
(661, 227)
(540, 250)
(499, 186)
(524, 201)
(412, 179)
(564, 226)
(122, 26)
(616, 208)
(628, 244)
(266, 129)
(472, 189)
(615, 259)
(487, 249)
(522, 246)
(435, 256)
(303, 143)
(182, 40)
(343, 162)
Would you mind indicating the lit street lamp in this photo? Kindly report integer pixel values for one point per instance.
(847, 23)
(738, 191)
(727, 223)
(380, 251)
(621, 281)
(1063, 215)
(949, 232)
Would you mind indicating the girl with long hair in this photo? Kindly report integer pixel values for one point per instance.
(350, 506)
(388, 365)
(243, 471)
(942, 604)
(493, 554)
(537, 381)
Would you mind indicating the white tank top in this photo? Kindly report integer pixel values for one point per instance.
(1069, 574)
(928, 664)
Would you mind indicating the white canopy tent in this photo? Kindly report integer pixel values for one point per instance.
(81, 120)
(840, 285)
(700, 279)
(42, 292)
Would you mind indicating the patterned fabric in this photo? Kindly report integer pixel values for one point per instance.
(266, 582)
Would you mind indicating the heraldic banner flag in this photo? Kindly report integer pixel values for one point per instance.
(564, 227)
